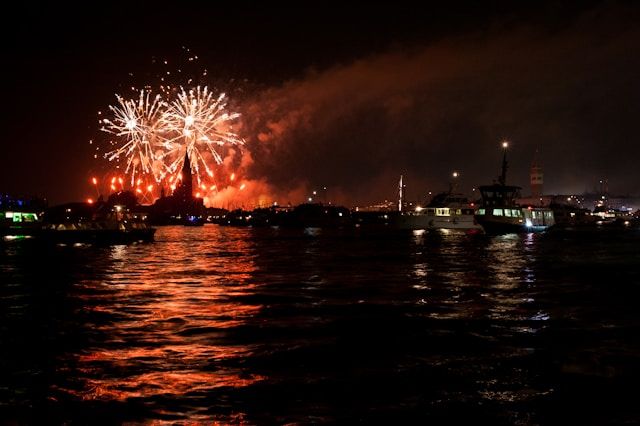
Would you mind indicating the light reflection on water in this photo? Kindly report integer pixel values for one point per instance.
(307, 326)
(173, 301)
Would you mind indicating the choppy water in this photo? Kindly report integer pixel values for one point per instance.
(264, 326)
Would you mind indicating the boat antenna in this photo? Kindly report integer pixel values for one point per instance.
(503, 177)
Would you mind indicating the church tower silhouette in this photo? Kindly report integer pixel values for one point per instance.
(184, 191)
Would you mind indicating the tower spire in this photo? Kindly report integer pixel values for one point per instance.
(186, 166)
(186, 186)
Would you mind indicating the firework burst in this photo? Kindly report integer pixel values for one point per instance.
(170, 113)
(135, 125)
(150, 135)
(197, 123)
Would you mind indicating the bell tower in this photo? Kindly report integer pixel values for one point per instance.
(187, 179)
(184, 191)
(536, 176)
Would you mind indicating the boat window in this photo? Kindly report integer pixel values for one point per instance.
(442, 212)
(497, 212)
(480, 212)
(507, 212)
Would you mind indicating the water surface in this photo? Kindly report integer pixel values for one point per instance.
(255, 326)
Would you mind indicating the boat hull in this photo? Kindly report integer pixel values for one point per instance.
(424, 221)
(493, 226)
(530, 220)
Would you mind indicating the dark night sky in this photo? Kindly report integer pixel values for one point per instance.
(344, 96)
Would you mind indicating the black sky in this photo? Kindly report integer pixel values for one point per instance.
(559, 76)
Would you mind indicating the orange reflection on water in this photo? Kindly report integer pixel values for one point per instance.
(166, 316)
(162, 383)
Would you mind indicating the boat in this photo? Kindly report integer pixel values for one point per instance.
(19, 223)
(500, 213)
(89, 224)
(447, 210)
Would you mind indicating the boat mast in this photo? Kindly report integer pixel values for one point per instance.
(503, 177)
(400, 195)
(453, 185)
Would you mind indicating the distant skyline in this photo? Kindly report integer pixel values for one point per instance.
(343, 96)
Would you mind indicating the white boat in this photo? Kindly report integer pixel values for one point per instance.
(447, 210)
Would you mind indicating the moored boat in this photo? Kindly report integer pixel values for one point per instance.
(90, 224)
(447, 210)
(19, 223)
(500, 213)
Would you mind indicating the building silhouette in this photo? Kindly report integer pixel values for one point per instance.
(181, 205)
(184, 190)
